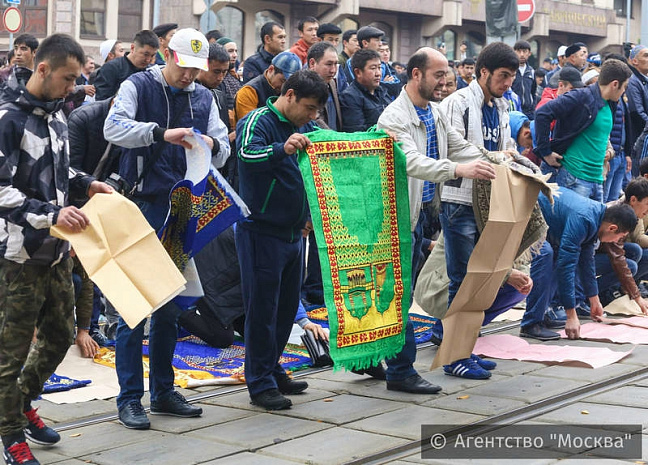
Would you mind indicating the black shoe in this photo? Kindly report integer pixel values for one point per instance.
(100, 339)
(175, 404)
(539, 332)
(289, 386)
(643, 289)
(271, 400)
(38, 432)
(377, 372)
(18, 453)
(133, 416)
(414, 384)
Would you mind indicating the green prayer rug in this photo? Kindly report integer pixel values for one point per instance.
(357, 192)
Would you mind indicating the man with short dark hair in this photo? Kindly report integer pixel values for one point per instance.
(322, 58)
(273, 42)
(371, 38)
(24, 50)
(153, 112)
(621, 266)
(269, 241)
(584, 119)
(35, 268)
(525, 85)
(480, 115)
(213, 35)
(307, 28)
(164, 32)
(112, 74)
(466, 73)
(256, 93)
(349, 46)
(329, 32)
(365, 99)
(576, 225)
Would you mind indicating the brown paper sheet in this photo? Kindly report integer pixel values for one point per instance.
(513, 196)
(123, 256)
(623, 306)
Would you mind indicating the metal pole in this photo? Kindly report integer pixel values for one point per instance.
(628, 6)
(11, 41)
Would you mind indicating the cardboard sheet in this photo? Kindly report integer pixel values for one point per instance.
(620, 334)
(509, 347)
(123, 256)
(623, 306)
(513, 196)
(104, 383)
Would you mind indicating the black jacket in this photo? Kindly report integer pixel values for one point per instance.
(525, 87)
(87, 142)
(256, 64)
(111, 75)
(573, 112)
(360, 109)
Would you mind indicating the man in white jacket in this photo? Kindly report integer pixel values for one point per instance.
(480, 114)
(435, 153)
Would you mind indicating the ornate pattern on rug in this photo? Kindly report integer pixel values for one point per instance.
(357, 192)
(422, 323)
(194, 361)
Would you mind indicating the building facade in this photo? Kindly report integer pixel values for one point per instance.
(408, 24)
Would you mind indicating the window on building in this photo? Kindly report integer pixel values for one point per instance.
(129, 19)
(347, 24)
(263, 17)
(534, 59)
(449, 39)
(229, 21)
(93, 18)
(621, 8)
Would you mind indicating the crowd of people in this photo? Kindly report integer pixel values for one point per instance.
(70, 129)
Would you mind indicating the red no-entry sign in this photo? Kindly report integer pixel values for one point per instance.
(526, 8)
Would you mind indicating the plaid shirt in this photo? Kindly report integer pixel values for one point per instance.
(426, 117)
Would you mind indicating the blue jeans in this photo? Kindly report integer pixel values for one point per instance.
(402, 365)
(591, 190)
(162, 339)
(615, 177)
(545, 285)
(461, 235)
(607, 278)
(507, 298)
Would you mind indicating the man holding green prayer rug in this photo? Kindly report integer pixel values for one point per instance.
(269, 241)
(435, 153)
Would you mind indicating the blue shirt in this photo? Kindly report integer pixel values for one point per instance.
(490, 127)
(432, 151)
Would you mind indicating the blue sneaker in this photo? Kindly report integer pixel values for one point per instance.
(466, 368)
(436, 336)
(485, 364)
(555, 318)
(582, 309)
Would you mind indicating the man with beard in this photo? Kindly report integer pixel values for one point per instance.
(480, 115)
(435, 153)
